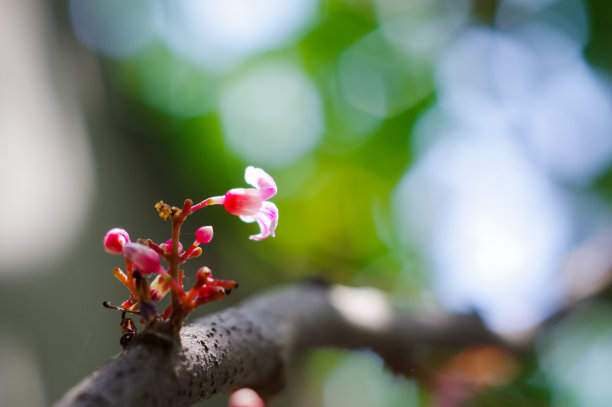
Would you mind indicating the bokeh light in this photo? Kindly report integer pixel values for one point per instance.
(421, 28)
(170, 83)
(529, 4)
(514, 109)
(377, 81)
(359, 380)
(571, 125)
(219, 35)
(115, 28)
(491, 225)
(577, 357)
(272, 114)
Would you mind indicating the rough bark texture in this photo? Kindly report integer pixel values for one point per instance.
(251, 344)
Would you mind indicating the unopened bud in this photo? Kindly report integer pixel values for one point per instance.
(145, 258)
(204, 234)
(115, 239)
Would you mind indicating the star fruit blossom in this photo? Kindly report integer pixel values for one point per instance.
(251, 204)
(144, 256)
(147, 261)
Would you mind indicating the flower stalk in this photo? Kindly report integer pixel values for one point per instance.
(143, 258)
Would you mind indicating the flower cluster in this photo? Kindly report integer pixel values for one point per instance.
(144, 257)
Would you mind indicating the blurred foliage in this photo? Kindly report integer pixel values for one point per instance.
(158, 131)
(335, 199)
(168, 104)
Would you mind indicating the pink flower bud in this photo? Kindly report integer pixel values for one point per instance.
(204, 234)
(115, 239)
(243, 201)
(167, 247)
(203, 274)
(145, 258)
(245, 397)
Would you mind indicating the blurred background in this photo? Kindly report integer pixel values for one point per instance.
(454, 153)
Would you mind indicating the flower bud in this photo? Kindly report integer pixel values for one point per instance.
(145, 258)
(245, 397)
(204, 234)
(203, 274)
(167, 247)
(115, 239)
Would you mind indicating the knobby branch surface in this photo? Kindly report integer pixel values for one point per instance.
(251, 344)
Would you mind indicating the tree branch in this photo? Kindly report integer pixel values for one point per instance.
(250, 345)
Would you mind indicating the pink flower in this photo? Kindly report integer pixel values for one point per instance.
(252, 205)
(115, 239)
(145, 258)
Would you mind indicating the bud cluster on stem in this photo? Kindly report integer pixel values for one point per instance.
(144, 257)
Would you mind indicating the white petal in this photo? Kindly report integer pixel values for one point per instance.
(267, 219)
(247, 218)
(260, 180)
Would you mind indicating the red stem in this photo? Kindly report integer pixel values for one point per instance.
(185, 255)
(215, 200)
(157, 249)
(176, 319)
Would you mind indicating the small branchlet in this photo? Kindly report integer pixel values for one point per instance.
(144, 257)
